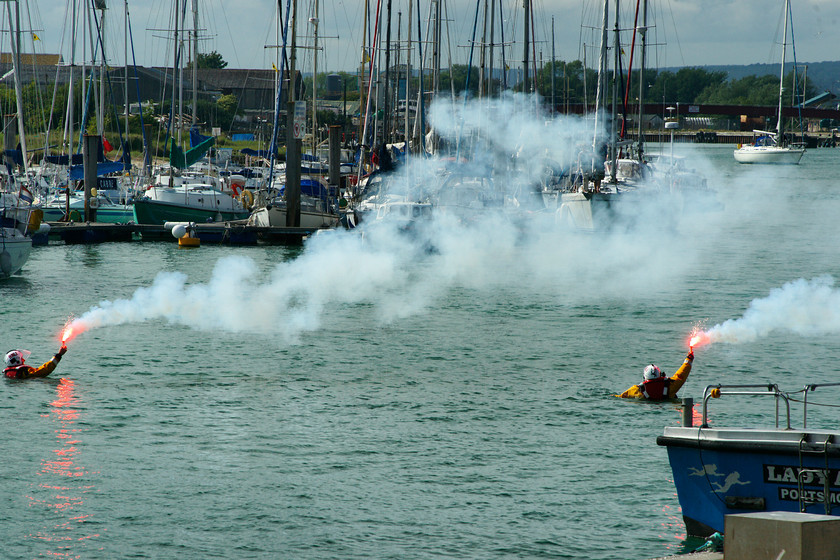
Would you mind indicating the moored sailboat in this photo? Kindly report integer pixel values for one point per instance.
(15, 245)
(773, 147)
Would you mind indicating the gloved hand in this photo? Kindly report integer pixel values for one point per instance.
(690, 355)
(62, 350)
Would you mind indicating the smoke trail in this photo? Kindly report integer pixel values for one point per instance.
(803, 307)
(399, 273)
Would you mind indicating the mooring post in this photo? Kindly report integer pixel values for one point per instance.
(687, 412)
(90, 149)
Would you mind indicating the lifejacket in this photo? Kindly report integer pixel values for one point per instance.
(17, 372)
(656, 389)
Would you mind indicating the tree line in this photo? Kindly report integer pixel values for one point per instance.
(575, 84)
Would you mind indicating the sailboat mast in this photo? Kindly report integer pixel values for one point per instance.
(408, 79)
(100, 110)
(600, 90)
(527, 40)
(613, 127)
(174, 85)
(780, 123)
(643, 33)
(125, 90)
(68, 125)
(490, 52)
(194, 64)
(314, 21)
(553, 102)
(15, 42)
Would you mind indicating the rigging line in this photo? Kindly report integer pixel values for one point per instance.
(372, 57)
(230, 34)
(421, 105)
(55, 84)
(108, 79)
(428, 31)
(502, 46)
(630, 68)
(533, 48)
(449, 53)
(175, 66)
(292, 86)
(146, 153)
(31, 39)
(375, 38)
(467, 84)
(795, 81)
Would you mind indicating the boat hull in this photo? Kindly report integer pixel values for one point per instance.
(157, 212)
(724, 471)
(275, 216)
(14, 251)
(769, 155)
(104, 214)
(587, 211)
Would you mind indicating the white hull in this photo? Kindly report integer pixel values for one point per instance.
(275, 216)
(587, 212)
(14, 250)
(769, 154)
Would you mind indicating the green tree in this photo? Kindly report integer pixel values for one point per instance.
(209, 60)
(458, 76)
(686, 85)
(228, 108)
(568, 82)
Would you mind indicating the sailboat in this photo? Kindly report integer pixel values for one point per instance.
(771, 147)
(178, 198)
(16, 200)
(15, 245)
(312, 206)
(591, 202)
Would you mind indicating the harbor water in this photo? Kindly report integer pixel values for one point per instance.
(452, 403)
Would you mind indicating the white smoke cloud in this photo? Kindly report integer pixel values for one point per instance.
(803, 307)
(399, 274)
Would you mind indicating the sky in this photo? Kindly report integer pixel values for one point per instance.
(683, 32)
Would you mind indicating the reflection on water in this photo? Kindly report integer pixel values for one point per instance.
(673, 529)
(64, 480)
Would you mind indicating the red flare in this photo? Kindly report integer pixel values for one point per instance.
(698, 338)
(69, 332)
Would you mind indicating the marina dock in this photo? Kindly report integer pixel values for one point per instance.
(226, 233)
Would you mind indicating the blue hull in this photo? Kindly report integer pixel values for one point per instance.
(720, 472)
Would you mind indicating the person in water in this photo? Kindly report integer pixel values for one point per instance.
(657, 387)
(16, 367)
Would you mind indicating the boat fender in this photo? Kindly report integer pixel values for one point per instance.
(247, 198)
(35, 219)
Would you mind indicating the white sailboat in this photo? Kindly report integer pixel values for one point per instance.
(771, 147)
(592, 202)
(314, 199)
(16, 201)
(15, 245)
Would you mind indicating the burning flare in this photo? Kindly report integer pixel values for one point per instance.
(70, 331)
(698, 338)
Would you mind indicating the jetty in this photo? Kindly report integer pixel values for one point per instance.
(225, 233)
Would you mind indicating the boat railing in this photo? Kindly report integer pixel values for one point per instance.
(770, 389)
(810, 388)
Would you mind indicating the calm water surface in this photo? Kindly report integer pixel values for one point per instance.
(477, 422)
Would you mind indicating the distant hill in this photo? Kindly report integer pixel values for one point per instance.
(824, 75)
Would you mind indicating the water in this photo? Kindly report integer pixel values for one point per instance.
(460, 410)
